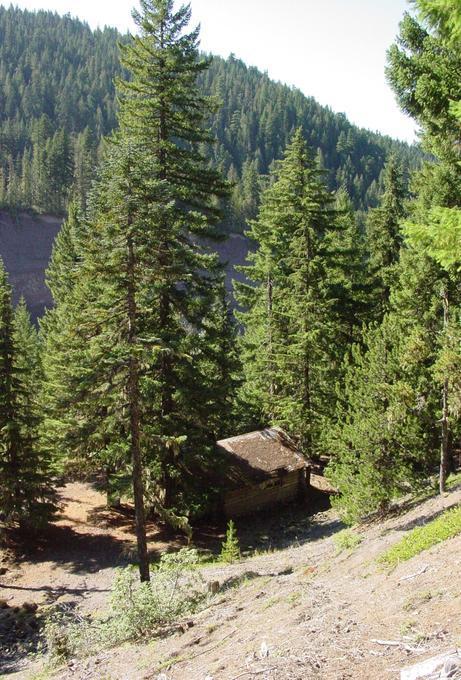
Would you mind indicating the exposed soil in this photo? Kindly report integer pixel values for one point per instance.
(26, 242)
(298, 611)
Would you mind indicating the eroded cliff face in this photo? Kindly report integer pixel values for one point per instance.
(26, 242)
(25, 247)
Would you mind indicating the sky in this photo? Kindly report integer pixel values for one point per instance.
(332, 50)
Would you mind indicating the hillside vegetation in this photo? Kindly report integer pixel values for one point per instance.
(346, 337)
(57, 101)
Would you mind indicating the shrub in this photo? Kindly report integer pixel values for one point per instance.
(175, 589)
(346, 540)
(136, 610)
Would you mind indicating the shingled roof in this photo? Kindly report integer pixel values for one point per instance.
(256, 456)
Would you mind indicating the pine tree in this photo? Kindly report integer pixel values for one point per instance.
(378, 443)
(384, 234)
(350, 285)
(423, 70)
(63, 347)
(230, 548)
(25, 493)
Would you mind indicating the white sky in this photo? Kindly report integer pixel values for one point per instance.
(333, 50)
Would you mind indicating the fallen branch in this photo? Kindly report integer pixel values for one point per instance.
(417, 573)
(399, 643)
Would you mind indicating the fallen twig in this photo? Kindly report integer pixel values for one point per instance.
(264, 670)
(417, 573)
(399, 643)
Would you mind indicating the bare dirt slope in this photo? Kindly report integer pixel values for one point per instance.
(26, 242)
(296, 612)
(25, 247)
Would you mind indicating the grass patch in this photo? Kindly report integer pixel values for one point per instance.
(346, 539)
(270, 603)
(421, 599)
(422, 538)
(453, 481)
(294, 598)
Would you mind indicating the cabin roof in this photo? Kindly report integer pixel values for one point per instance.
(257, 456)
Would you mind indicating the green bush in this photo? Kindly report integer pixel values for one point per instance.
(136, 610)
(175, 589)
(422, 538)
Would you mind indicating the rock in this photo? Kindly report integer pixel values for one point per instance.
(263, 651)
(185, 625)
(65, 599)
(451, 667)
(443, 666)
(285, 572)
(213, 587)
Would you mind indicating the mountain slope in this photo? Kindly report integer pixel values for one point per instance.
(57, 101)
(25, 247)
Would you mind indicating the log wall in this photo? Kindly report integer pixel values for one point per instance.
(271, 492)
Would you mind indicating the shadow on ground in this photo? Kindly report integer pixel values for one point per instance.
(280, 527)
(19, 635)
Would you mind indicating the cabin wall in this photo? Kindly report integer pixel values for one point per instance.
(271, 492)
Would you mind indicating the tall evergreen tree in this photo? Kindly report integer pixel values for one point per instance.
(146, 288)
(424, 72)
(378, 443)
(288, 338)
(350, 284)
(384, 234)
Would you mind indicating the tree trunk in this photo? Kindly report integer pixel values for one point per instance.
(270, 349)
(133, 400)
(444, 452)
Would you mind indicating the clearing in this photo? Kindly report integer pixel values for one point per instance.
(296, 609)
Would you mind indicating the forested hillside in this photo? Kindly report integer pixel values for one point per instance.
(344, 351)
(57, 101)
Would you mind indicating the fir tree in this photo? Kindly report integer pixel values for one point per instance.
(350, 285)
(288, 329)
(384, 234)
(145, 291)
(423, 70)
(377, 445)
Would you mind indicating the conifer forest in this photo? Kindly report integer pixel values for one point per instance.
(343, 329)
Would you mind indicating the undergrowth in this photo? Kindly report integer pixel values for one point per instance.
(422, 538)
(346, 540)
(137, 610)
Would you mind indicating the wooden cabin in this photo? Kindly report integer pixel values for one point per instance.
(261, 469)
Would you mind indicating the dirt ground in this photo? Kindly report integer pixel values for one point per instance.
(298, 610)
